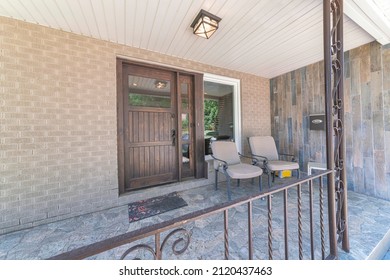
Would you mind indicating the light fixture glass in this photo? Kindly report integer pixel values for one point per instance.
(160, 84)
(205, 24)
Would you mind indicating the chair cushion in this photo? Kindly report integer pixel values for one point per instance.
(225, 150)
(278, 165)
(243, 171)
(264, 146)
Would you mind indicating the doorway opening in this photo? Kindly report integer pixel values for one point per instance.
(221, 110)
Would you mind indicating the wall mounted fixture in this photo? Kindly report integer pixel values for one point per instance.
(205, 24)
(317, 122)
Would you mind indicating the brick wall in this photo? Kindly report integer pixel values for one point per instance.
(58, 151)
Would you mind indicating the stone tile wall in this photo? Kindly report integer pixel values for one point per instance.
(296, 95)
(58, 144)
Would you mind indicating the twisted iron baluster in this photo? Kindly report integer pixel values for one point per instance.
(226, 234)
(250, 230)
(270, 252)
(311, 219)
(322, 227)
(285, 225)
(300, 222)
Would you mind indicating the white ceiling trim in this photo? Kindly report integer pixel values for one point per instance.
(265, 38)
(369, 16)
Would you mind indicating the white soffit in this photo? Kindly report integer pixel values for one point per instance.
(371, 15)
(265, 38)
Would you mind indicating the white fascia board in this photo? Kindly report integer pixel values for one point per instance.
(368, 16)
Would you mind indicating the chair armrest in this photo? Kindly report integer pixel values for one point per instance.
(225, 164)
(254, 160)
(288, 155)
(263, 158)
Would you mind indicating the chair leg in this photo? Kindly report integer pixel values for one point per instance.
(228, 188)
(216, 179)
(273, 177)
(269, 179)
(260, 183)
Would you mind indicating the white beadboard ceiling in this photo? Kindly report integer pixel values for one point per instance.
(265, 38)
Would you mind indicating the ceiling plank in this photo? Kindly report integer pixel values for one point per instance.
(119, 21)
(149, 24)
(130, 11)
(276, 30)
(99, 13)
(257, 37)
(241, 24)
(158, 24)
(139, 22)
(89, 15)
(193, 44)
(17, 10)
(178, 28)
(67, 13)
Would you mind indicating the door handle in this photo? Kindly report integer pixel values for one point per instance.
(173, 135)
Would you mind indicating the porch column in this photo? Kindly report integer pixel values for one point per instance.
(335, 140)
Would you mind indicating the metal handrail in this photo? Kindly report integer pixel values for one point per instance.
(156, 229)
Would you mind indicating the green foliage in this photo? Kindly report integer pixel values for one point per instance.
(210, 114)
(145, 100)
(184, 124)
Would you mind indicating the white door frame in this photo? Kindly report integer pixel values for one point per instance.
(235, 83)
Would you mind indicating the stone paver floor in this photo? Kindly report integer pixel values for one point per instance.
(369, 221)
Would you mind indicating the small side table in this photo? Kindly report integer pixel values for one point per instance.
(315, 165)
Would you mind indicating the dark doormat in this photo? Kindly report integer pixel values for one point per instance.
(149, 207)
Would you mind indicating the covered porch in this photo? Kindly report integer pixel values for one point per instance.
(61, 114)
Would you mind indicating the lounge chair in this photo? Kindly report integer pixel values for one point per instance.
(227, 160)
(263, 148)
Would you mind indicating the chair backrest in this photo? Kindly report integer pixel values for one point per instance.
(264, 146)
(225, 150)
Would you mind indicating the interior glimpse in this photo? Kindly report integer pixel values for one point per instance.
(218, 113)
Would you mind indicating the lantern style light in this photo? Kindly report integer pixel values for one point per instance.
(205, 24)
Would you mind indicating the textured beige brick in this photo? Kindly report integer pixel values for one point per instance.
(58, 119)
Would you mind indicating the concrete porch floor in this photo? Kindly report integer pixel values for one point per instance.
(369, 228)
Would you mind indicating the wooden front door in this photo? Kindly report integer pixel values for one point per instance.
(160, 126)
(150, 123)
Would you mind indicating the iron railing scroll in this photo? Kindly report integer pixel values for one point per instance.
(335, 140)
(171, 239)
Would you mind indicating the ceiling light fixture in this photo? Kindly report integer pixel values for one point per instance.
(205, 24)
(160, 84)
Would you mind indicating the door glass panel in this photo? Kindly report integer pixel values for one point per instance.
(186, 119)
(149, 92)
(184, 96)
(186, 153)
(185, 136)
(184, 127)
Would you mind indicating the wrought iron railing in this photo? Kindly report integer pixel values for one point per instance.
(315, 223)
(334, 103)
